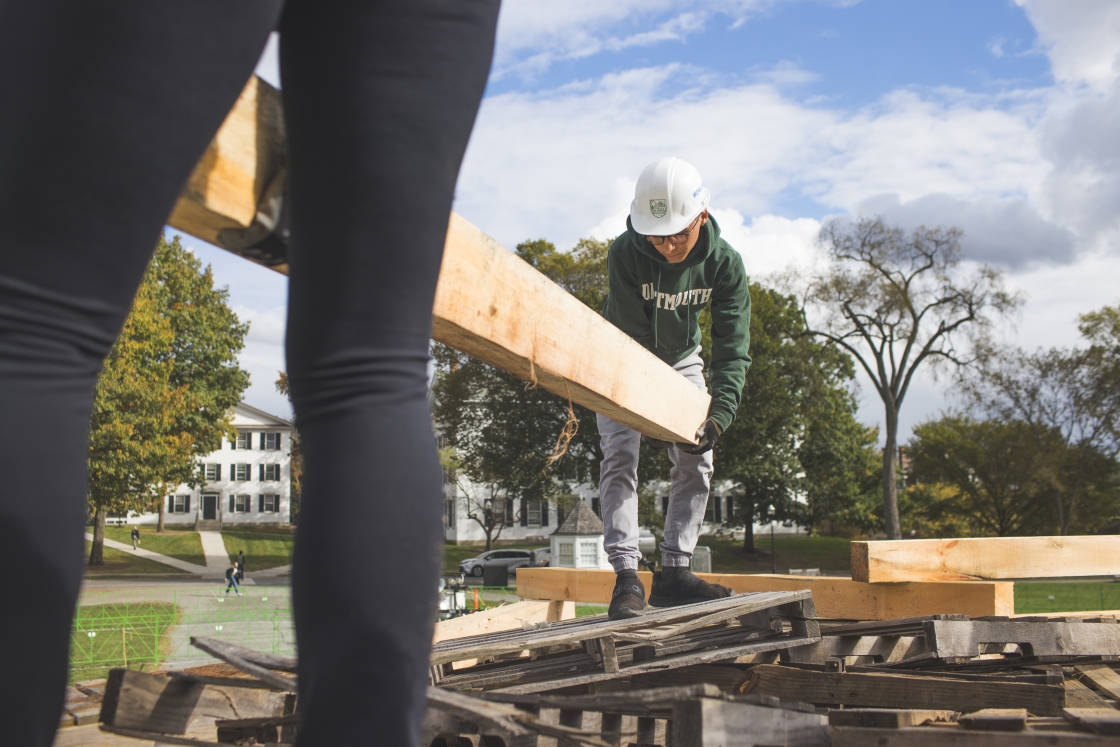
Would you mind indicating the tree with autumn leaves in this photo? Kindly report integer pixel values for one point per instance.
(166, 390)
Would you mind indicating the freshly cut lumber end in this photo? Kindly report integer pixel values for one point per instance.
(834, 597)
(975, 558)
(506, 617)
(245, 155)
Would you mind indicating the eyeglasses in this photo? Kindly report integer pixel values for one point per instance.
(677, 238)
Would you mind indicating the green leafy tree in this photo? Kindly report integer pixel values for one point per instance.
(996, 472)
(1074, 393)
(897, 301)
(207, 336)
(795, 451)
(135, 439)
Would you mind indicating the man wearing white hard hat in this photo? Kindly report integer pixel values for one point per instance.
(664, 270)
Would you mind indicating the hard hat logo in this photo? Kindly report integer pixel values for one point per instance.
(675, 193)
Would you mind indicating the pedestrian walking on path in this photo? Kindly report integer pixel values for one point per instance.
(231, 577)
(240, 565)
(135, 537)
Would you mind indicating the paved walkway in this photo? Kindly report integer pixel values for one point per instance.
(157, 557)
(214, 548)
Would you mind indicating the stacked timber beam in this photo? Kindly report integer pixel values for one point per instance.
(489, 303)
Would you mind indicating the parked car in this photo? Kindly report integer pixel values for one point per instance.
(511, 558)
(542, 557)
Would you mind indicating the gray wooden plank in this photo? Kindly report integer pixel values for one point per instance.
(707, 722)
(960, 639)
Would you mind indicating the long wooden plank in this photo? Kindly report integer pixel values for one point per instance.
(926, 736)
(985, 558)
(902, 691)
(489, 303)
(834, 597)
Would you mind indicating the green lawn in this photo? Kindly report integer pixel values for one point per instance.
(178, 543)
(453, 554)
(104, 636)
(265, 547)
(826, 553)
(1066, 596)
(123, 561)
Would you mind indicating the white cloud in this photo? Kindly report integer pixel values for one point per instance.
(1081, 37)
(533, 35)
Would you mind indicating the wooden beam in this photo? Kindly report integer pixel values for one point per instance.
(834, 597)
(985, 558)
(489, 303)
(506, 617)
(902, 691)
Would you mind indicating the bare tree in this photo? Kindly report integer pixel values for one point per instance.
(896, 300)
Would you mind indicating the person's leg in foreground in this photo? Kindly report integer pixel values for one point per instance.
(379, 98)
(106, 108)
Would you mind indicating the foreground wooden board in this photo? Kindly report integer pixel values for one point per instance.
(489, 303)
(834, 597)
(985, 558)
(933, 736)
(506, 617)
(902, 691)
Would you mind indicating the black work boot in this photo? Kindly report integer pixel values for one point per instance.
(676, 585)
(629, 597)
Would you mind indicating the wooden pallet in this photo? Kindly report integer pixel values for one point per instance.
(594, 649)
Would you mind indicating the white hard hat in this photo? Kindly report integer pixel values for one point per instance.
(669, 195)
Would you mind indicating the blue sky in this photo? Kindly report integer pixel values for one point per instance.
(998, 116)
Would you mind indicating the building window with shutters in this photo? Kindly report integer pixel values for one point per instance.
(449, 513)
(239, 504)
(533, 513)
(213, 472)
(244, 441)
(180, 504)
(268, 503)
(241, 472)
(270, 442)
(270, 472)
(665, 504)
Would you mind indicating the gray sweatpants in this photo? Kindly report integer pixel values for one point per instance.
(618, 490)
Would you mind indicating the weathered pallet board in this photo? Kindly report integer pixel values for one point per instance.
(159, 703)
(934, 736)
(708, 722)
(902, 691)
(489, 303)
(838, 598)
(967, 639)
(985, 558)
(655, 625)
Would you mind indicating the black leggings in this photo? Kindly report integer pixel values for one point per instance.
(105, 107)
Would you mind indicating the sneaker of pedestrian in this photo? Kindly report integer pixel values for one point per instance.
(629, 597)
(677, 585)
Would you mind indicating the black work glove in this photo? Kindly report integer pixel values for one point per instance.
(657, 443)
(706, 435)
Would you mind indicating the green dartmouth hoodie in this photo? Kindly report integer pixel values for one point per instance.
(657, 303)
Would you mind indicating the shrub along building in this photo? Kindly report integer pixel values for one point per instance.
(247, 481)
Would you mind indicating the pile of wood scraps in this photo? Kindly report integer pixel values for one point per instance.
(753, 669)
